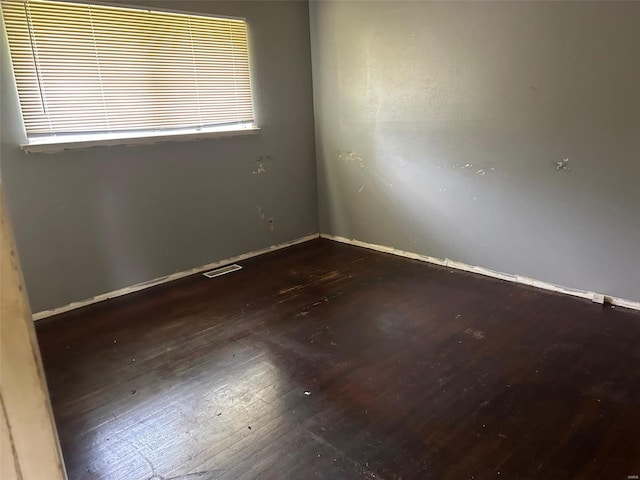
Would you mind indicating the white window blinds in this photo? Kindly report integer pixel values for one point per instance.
(98, 69)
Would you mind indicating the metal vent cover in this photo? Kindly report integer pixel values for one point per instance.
(222, 270)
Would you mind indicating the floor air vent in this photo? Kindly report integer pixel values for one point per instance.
(222, 270)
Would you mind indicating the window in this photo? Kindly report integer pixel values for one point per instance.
(87, 72)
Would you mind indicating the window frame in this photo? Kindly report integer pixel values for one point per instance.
(72, 141)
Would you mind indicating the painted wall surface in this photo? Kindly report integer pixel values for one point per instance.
(441, 129)
(92, 221)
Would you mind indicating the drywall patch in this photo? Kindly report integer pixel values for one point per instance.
(469, 166)
(271, 225)
(563, 164)
(259, 164)
(351, 157)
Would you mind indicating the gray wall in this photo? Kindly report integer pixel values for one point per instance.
(439, 125)
(92, 221)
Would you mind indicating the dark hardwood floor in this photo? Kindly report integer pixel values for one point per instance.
(335, 362)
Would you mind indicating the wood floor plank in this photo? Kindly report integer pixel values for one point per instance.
(336, 362)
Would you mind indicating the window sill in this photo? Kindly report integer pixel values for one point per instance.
(77, 142)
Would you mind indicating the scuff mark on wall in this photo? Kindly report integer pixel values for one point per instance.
(260, 168)
(361, 189)
(263, 218)
(563, 164)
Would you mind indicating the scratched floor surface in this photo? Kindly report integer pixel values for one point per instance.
(334, 362)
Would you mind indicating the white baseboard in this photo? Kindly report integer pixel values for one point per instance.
(621, 302)
(169, 278)
(631, 304)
